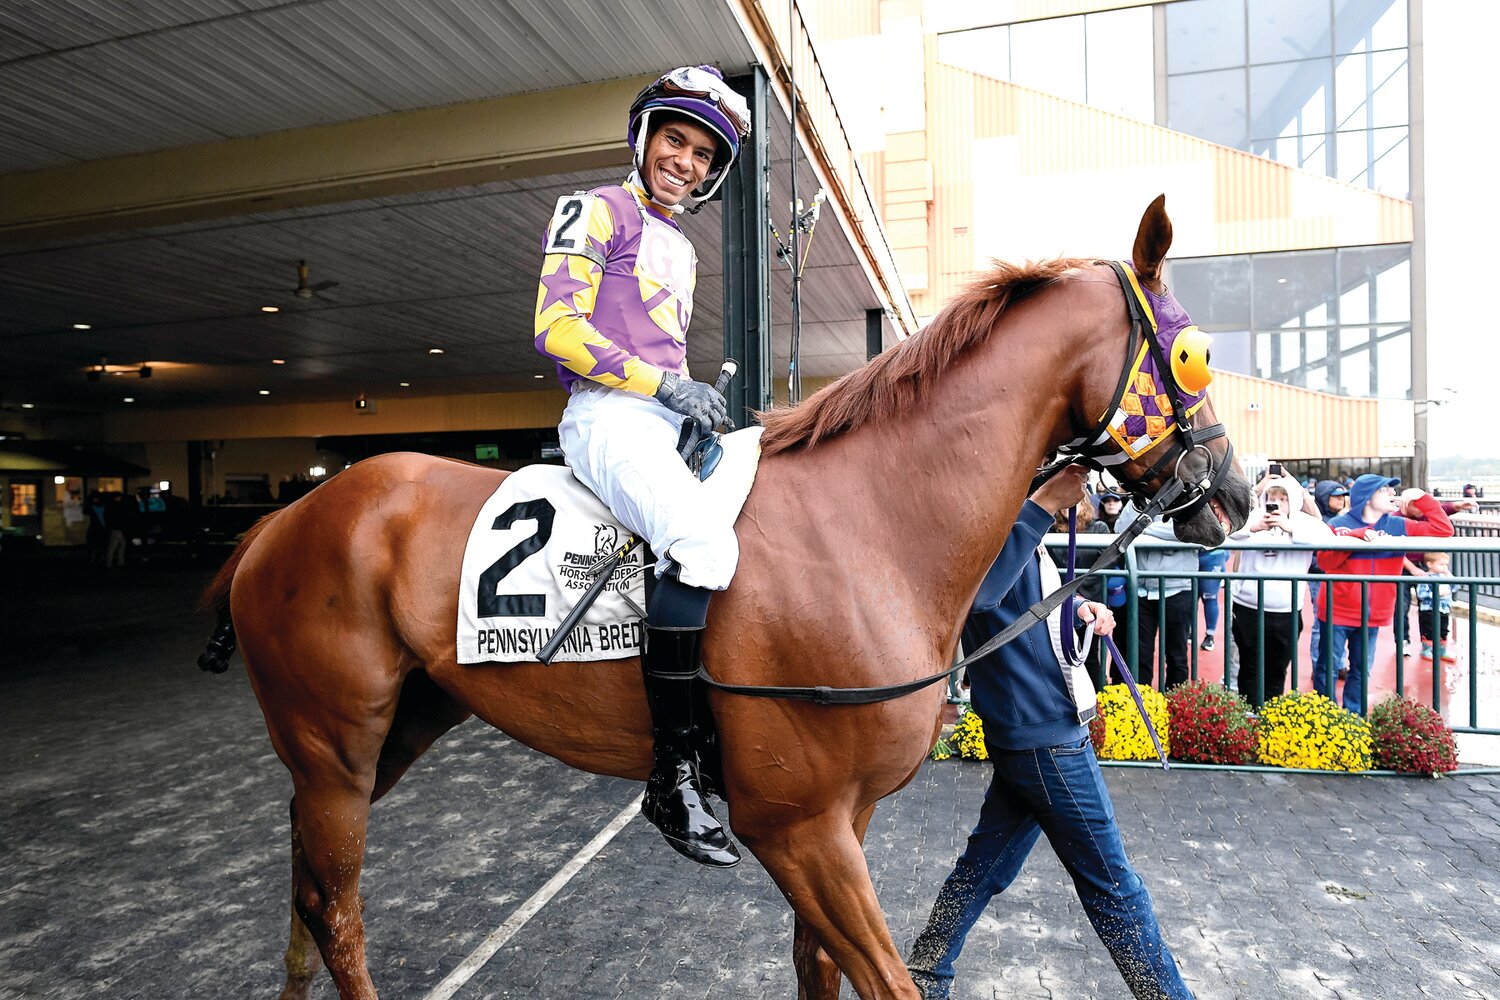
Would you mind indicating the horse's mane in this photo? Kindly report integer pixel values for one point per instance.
(891, 382)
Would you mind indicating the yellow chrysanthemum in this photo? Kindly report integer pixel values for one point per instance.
(1309, 731)
(1125, 734)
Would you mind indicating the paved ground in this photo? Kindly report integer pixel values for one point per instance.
(143, 854)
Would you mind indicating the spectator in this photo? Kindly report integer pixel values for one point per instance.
(96, 541)
(1375, 513)
(1280, 518)
(1162, 595)
(1110, 506)
(1435, 601)
(1331, 499)
(119, 516)
(1210, 561)
(1470, 490)
(1411, 565)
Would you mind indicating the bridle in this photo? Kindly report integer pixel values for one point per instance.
(1105, 446)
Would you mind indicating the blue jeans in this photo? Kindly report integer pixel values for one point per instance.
(1060, 792)
(1360, 643)
(1208, 590)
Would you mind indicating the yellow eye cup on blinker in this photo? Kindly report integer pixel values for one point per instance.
(1189, 358)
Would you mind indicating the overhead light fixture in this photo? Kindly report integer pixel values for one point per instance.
(28, 406)
(59, 480)
(128, 399)
(434, 350)
(1280, 281)
(265, 392)
(538, 376)
(406, 385)
(83, 326)
(278, 361)
(165, 486)
(270, 309)
(317, 472)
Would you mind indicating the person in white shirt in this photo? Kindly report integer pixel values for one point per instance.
(1280, 521)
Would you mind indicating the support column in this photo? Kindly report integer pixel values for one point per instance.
(747, 278)
(874, 332)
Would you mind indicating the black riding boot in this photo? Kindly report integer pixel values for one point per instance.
(674, 803)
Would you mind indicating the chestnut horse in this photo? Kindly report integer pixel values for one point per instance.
(879, 504)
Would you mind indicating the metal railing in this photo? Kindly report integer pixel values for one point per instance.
(1469, 588)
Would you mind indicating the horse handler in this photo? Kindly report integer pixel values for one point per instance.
(1035, 713)
(613, 309)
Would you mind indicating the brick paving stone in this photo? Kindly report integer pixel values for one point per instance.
(143, 826)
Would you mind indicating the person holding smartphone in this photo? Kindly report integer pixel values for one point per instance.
(1282, 523)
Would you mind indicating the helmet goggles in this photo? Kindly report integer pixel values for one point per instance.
(694, 81)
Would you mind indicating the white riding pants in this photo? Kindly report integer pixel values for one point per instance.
(623, 446)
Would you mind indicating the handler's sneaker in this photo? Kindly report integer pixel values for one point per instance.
(1426, 650)
(1447, 655)
(1208, 643)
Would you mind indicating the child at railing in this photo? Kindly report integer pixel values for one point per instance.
(1439, 595)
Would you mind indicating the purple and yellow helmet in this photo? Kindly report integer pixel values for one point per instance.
(698, 93)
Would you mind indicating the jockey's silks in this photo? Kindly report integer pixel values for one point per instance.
(616, 290)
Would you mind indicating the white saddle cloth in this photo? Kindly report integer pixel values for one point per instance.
(525, 564)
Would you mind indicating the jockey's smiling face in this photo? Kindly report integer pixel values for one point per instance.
(678, 157)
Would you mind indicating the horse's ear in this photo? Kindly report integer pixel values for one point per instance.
(1152, 240)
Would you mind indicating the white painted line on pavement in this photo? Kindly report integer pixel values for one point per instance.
(497, 938)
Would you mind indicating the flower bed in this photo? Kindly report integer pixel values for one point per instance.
(1309, 731)
(1411, 738)
(966, 740)
(1124, 733)
(1210, 724)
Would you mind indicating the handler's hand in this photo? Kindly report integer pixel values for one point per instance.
(1099, 615)
(1064, 490)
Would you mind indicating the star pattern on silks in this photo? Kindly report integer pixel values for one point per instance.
(561, 287)
(608, 360)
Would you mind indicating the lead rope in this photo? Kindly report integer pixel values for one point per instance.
(1075, 658)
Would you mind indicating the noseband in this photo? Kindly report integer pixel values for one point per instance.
(1105, 445)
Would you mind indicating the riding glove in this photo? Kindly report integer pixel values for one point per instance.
(698, 401)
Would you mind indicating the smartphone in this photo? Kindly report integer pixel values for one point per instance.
(1272, 507)
(1277, 470)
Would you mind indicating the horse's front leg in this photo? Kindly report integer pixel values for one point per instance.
(818, 975)
(819, 865)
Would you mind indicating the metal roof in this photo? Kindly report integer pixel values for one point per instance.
(453, 269)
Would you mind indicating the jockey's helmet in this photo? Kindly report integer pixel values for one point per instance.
(698, 93)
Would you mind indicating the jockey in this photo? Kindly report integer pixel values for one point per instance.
(613, 309)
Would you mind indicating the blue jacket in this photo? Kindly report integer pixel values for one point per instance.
(1018, 690)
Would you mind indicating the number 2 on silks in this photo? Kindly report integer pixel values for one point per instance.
(569, 224)
(493, 605)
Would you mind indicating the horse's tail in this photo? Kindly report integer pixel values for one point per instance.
(215, 598)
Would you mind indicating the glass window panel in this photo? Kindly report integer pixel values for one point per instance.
(1232, 350)
(1388, 267)
(1205, 34)
(1317, 345)
(1317, 378)
(1210, 106)
(1388, 106)
(1354, 374)
(1120, 67)
(1048, 56)
(1351, 337)
(1395, 366)
(1291, 350)
(1263, 365)
(1318, 315)
(1393, 170)
(1281, 94)
(1315, 153)
(984, 50)
(1380, 24)
(1393, 294)
(1353, 153)
(1354, 305)
(1289, 285)
(1351, 91)
(1214, 290)
(1288, 29)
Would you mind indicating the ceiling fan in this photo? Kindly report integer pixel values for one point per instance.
(304, 290)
